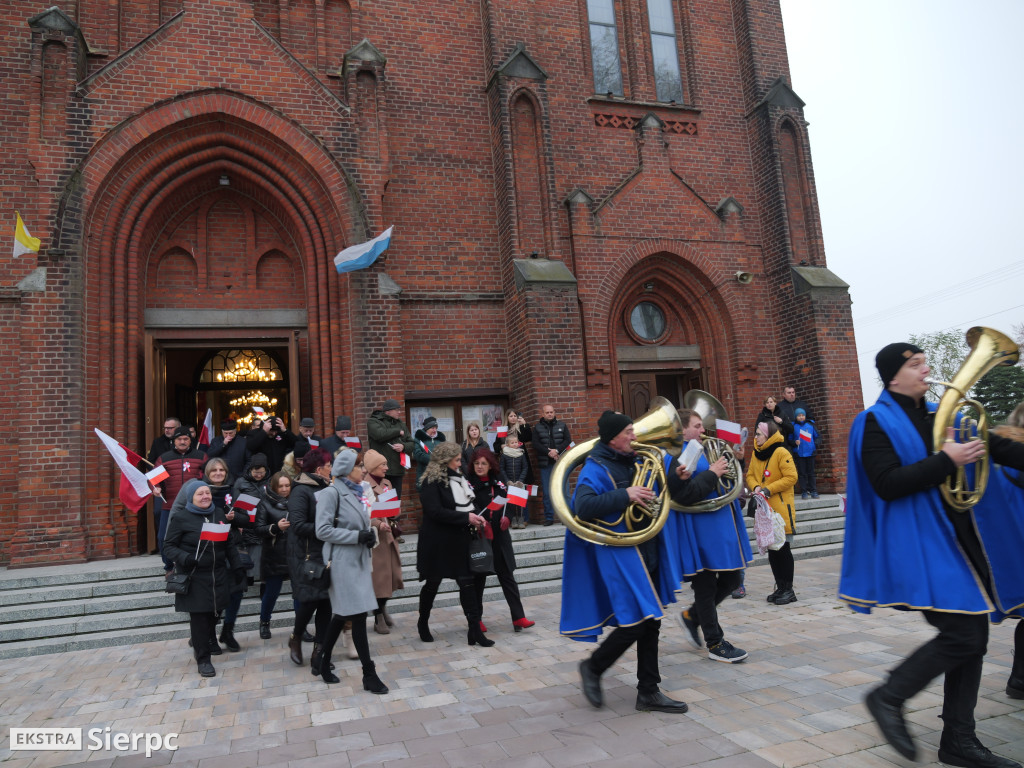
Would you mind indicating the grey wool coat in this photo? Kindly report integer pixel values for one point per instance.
(340, 516)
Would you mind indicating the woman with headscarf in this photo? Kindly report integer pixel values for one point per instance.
(442, 552)
(771, 471)
(343, 524)
(310, 579)
(489, 484)
(252, 483)
(272, 526)
(387, 558)
(211, 565)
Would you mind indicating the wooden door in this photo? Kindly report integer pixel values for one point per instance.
(293, 382)
(155, 380)
(638, 389)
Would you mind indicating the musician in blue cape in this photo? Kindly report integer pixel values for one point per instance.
(619, 586)
(904, 548)
(714, 546)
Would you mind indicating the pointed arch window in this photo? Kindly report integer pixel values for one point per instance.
(604, 47)
(668, 80)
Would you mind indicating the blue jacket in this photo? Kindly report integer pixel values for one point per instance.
(610, 584)
(805, 448)
(902, 553)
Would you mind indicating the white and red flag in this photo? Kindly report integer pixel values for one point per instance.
(498, 502)
(134, 488)
(313, 443)
(503, 430)
(215, 532)
(805, 436)
(206, 433)
(388, 495)
(157, 474)
(387, 505)
(424, 447)
(572, 444)
(133, 457)
(533, 489)
(260, 413)
(406, 461)
(246, 503)
(518, 496)
(353, 442)
(728, 431)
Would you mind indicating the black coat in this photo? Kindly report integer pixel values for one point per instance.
(269, 513)
(250, 487)
(274, 448)
(786, 427)
(485, 490)
(303, 544)
(515, 468)
(236, 454)
(442, 551)
(214, 573)
(221, 496)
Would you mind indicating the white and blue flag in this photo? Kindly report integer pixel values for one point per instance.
(363, 255)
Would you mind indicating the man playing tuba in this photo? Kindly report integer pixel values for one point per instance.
(615, 585)
(904, 548)
(713, 546)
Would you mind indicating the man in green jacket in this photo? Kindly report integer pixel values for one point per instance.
(391, 437)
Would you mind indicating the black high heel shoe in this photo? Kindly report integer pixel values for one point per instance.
(477, 637)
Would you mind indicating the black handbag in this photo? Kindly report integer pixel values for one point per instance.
(481, 558)
(178, 583)
(246, 559)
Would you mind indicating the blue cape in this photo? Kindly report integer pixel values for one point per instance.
(610, 585)
(902, 553)
(712, 541)
(999, 517)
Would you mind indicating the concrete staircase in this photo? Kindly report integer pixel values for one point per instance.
(122, 602)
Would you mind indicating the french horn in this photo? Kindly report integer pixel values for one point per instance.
(730, 485)
(989, 348)
(658, 431)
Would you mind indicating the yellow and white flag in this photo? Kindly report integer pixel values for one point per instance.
(23, 241)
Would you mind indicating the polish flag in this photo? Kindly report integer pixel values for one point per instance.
(313, 443)
(260, 413)
(728, 431)
(157, 474)
(406, 461)
(572, 445)
(388, 495)
(134, 489)
(353, 442)
(133, 457)
(503, 430)
(206, 433)
(215, 532)
(387, 505)
(805, 436)
(533, 489)
(518, 496)
(246, 503)
(424, 447)
(497, 503)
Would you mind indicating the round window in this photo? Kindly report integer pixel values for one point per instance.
(647, 321)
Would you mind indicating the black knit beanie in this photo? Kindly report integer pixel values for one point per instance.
(611, 424)
(892, 358)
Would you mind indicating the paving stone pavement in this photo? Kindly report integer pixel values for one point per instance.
(795, 702)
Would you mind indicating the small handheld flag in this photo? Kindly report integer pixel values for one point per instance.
(363, 255)
(532, 489)
(157, 474)
(386, 509)
(313, 443)
(497, 503)
(388, 495)
(503, 430)
(206, 433)
(805, 436)
(23, 241)
(424, 447)
(353, 442)
(728, 431)
(246, 503)
(518, 496)
(215, 532)
(406, 461)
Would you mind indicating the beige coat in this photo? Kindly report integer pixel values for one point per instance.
(387, 561)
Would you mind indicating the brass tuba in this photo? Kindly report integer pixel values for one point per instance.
(657, 430)
(730, 485)
(989, 348)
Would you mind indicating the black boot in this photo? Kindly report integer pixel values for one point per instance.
(264, 630)
(371, 682)
(786, 595)
(314, 659)
(427, 594)
(333, 633)
(227, 636)
(964, 750)
(476, 635)
(473, 609)
(295, 649)
(773, 595)
(215, 649)
(888, 715)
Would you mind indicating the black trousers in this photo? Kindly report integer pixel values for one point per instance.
(509, 587)
(709, 589)
(781, 563)
(321, 609)
(805, 472)
(201, 626)
(645, 635)
(957, 651)
(471, 588)
(359, 640)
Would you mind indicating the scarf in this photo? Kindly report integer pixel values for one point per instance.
(197, 511)
(515, 453)
(277, 502)
(356, 488)
(461, 492)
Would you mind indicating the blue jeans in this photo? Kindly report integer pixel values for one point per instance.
(160, 517)
(231, 612)
(271, 590)
(545, 481)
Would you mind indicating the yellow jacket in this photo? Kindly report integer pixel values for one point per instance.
(778, 474)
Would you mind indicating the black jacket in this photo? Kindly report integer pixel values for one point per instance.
(274, 448)
(786, 427)
(485, 490)
(215, 569)
(236, 453)
(303, 545)
(442, 551)
(271, 511)
(548, 435)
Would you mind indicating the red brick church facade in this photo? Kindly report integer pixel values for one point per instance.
(193, 166)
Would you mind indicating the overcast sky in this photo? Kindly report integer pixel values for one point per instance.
(916, 124)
